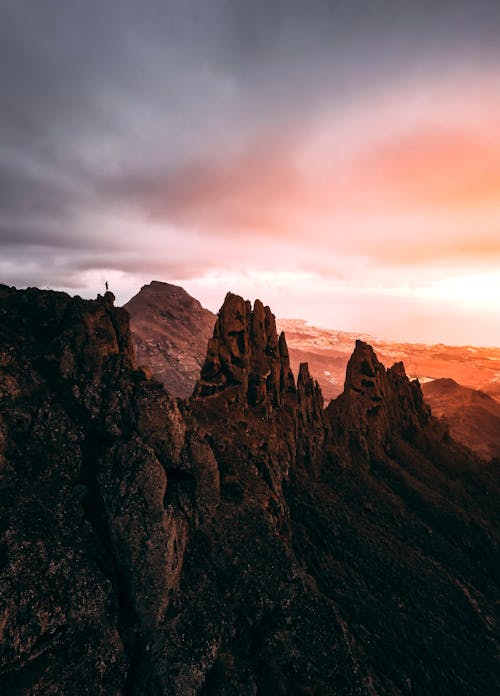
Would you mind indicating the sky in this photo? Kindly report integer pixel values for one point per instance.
(338, 159)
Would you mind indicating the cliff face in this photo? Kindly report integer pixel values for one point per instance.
(170, 331)
(94, 522)
(245, 541)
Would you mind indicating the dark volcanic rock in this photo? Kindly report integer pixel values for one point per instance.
(170, 331)
(377, 403)
(244, 542)
(93, 523)
(311, 422)
(245, 351)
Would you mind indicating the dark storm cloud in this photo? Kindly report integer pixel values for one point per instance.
(111, 104)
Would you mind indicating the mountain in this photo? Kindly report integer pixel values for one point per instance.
(328, 351)
(473, 416)
(170, 332)
(244, 541)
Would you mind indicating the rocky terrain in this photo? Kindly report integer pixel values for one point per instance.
(328, 351)
(170, 332)
(472, 415)
(244, 541)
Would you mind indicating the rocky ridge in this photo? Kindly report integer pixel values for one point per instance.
(170, 332)
(244, 541)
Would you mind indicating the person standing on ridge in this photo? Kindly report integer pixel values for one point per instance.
(107, 286)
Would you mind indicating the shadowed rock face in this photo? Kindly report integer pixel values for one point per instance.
(94, 522)
(377, 403)
(242, 542)
(245, 351)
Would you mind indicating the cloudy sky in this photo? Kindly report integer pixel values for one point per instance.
(338, 159)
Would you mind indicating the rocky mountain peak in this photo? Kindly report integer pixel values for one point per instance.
(379, 402)
(364, 373)
(472, 415)
(246, 352)
(158, 290)
(170, 331)
(308, 390)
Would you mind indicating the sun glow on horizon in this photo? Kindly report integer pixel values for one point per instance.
(472, 290)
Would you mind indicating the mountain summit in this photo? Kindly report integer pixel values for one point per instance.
(170, 331)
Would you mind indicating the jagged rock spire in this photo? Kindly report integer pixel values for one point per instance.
(312, 425)
(364, 373)
(245, 352)
(309, 395)
(376, 403)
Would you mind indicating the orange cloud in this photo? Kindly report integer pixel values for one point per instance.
(432, 166)
(388, 184)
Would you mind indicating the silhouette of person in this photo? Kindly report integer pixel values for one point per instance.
(107, 286)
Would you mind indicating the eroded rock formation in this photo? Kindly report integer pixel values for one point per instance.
(377, 404)
(245, 352)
